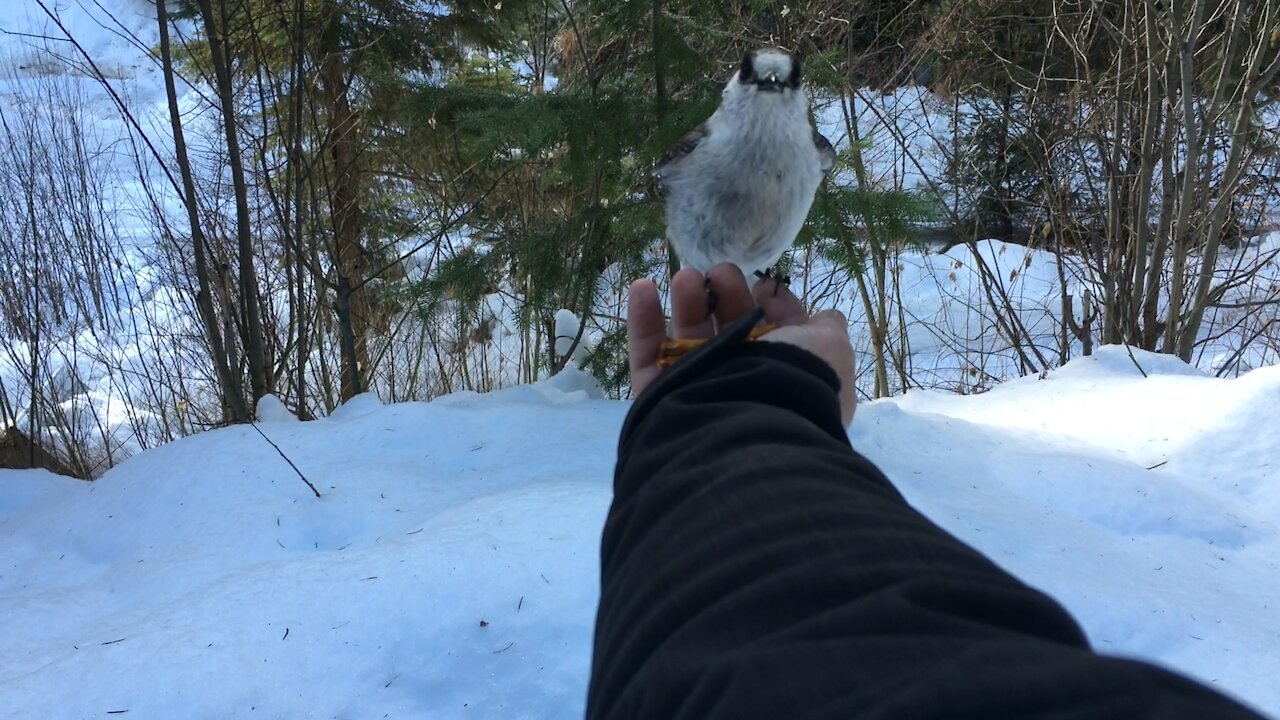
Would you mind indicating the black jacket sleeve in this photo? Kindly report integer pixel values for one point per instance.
(754, 566)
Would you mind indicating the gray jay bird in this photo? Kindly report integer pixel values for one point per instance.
(738, 187)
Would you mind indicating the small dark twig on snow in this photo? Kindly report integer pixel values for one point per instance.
(1134, 359)
(286, 459)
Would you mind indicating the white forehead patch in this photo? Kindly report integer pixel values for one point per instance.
(768, 62)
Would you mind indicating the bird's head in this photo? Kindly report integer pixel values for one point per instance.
(767, 71)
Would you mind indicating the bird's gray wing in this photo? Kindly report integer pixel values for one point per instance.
(826, 153)
(683, 147)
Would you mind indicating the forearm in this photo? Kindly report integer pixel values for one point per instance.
(748, 546)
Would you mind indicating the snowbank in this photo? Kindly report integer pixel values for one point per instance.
(449, 569)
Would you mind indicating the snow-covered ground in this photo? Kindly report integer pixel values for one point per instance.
(449, 568)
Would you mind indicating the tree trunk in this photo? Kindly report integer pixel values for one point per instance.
(255, 346)
(234, 408)
(352, 305)
(1254, 79)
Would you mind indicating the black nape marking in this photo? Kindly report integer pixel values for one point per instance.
(747, 72)
(794, 80)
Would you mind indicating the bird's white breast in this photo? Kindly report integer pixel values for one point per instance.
(743, 194)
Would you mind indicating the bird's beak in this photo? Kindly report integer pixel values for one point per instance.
(769, 83)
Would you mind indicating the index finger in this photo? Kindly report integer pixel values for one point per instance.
(646, 331)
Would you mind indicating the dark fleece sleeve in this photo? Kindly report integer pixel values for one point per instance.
(754, 566)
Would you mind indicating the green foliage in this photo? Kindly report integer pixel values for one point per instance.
(560, 177)
(998, 172)
(539, 123)
(511, 144)
(822, 70)
(680, 120)
(376, 36)
(459, 283)
(484, 72)
(845, 219)
(608, 362)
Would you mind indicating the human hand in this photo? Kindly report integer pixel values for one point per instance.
(825, 334)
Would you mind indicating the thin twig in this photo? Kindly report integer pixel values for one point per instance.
(286, 458)
(32, 35)
(1129, 350)
(101, 78)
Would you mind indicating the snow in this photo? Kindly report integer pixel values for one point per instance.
(571, 338)
(1147, 506)
(951, 326)
(566, 329)
(198, 557)
(450, 568)
(270, 409)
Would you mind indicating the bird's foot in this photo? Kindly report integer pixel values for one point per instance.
(779, 280)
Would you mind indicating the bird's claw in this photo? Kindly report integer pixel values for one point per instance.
(779, 280)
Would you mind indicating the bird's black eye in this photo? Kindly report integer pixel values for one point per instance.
(794, 79)
(747, 72)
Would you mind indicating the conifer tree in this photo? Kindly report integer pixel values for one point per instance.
(311, 77)
(567, 165)
(563, 156)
